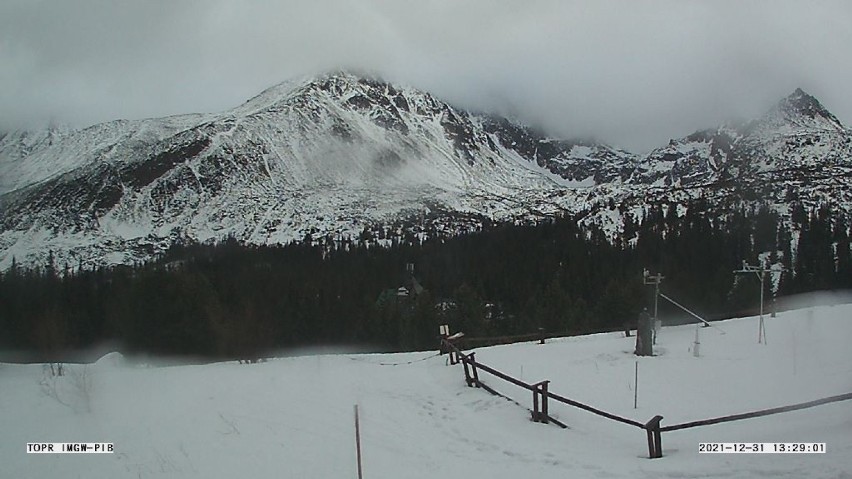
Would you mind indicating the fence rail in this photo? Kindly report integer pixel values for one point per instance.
(541, 336)
(654, 430)
(483, 341)
(763, 412)
(494, 372)
(593, 410)
(540, 390)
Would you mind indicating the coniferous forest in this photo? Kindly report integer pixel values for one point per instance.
(234, 301)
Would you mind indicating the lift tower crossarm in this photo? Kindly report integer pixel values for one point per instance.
(760, 271)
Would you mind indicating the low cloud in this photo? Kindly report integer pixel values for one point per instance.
(631, 73)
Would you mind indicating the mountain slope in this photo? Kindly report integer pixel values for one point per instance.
(333, 154)
(798, 152)
(340, 153)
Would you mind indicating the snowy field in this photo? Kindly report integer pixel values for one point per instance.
(293, 417)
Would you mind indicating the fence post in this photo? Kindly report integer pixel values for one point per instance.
(539, 414)
(473, 379)
(467, 377)
(658, 438)
(655, 440)
(454, 356)
(443, 334)
(473, 370)
(535, 413)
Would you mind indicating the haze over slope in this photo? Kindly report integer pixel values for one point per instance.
(341, 153)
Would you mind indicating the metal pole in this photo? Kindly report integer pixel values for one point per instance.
(696, 346)
(706, 323)
(656, 302)
(655, 280)
(358, 441)
(762, 327)
(636, 385)
(760, 271)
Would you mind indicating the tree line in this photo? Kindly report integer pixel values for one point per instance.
(230, 300)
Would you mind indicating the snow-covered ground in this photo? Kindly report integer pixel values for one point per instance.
(293, 417)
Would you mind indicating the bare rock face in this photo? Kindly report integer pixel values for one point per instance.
(341, 153)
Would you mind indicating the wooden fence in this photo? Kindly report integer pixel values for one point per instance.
(653, 428)
(479, 342)
(541, 336)
(763, 412)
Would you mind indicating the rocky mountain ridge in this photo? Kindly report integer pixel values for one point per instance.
(341, 153)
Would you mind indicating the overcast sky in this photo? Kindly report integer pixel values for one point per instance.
(633, 73)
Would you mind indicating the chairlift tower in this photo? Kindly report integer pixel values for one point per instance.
(760, 271)
(655, 280)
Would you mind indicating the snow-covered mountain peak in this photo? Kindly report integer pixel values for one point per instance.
(345, 87)
(800, 103)
(341, 152)
(329, 154)
(798, 112)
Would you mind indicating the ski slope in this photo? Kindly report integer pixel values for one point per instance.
(292, 417)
